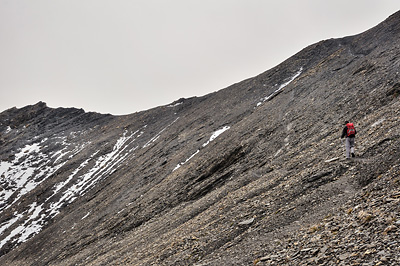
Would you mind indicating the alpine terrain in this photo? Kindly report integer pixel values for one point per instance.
(254, 174)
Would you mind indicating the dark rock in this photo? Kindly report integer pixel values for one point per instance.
(166, 186)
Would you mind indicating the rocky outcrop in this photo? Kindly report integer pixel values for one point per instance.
(253, 174)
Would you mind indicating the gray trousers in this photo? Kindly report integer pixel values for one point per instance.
(349, 146)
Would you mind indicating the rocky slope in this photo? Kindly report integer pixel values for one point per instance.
(253, 174)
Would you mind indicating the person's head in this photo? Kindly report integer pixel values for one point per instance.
(346, 122)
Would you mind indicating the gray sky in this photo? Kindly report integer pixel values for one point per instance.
(123, 56)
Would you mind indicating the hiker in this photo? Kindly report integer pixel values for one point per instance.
(349, 133)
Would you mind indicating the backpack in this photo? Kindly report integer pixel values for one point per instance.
(351, 131)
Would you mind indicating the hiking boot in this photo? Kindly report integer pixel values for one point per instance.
(353, 155)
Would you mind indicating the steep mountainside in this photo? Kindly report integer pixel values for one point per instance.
(253, 174)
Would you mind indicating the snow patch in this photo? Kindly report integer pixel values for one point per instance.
(9, 223)
(175, 105)
(32, 226)
(29, 168)
(87, 214)
(188, 159)
(104, 166)
(216, 134)
(153, 139)
(33, 164)
(213, 137)
(280, 87)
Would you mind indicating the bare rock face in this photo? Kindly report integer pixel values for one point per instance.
(253, 174)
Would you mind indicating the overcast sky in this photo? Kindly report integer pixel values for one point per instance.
(123, 56)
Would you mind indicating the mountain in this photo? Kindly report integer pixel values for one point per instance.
(253, 174)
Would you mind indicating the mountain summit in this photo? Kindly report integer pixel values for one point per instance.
(254, 174)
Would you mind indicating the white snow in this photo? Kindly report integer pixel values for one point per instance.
(281, 87)
(9, 223)
(103, 166)
(29, 169)
(87, 214)
(174, 105)
(27, 150)
(29, 228)
(60, 154)
(188, 159)
(153, 139)
(216, 134)
(62, 184)
(5, 167)
(31, 166)
(17, 174)
(213, 137)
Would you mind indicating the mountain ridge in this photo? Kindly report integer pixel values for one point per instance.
(222, 179)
